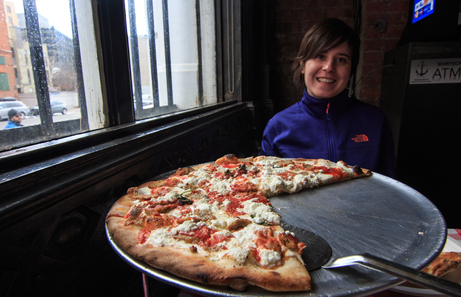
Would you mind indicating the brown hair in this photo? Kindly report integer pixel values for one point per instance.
(322, 37)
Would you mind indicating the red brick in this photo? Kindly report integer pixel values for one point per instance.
(386, 6)
(380, 45)
(339, 12)
(395, 18)
(370, 95)
(371, 33)
(311, 14)
(372, 57)
(370, 81)
(372, 69)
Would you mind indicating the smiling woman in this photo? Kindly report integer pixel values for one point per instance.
(328, 120)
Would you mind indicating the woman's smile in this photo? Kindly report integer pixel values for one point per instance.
(327, 75)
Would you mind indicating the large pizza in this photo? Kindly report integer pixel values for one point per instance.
(213, 223)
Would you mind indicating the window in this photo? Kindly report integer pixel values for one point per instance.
(4, 83)
(171, 49)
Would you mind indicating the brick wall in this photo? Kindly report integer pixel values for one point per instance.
(6, 53)
(294, 17)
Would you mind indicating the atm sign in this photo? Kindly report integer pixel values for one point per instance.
(435, 71)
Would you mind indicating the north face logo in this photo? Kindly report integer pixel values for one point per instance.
(360, 138)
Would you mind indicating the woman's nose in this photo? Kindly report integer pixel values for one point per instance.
(328, 65)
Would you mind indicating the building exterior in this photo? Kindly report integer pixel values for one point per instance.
(57, 51)
(7, 72)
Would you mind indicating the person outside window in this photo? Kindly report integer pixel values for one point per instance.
(329, 122)
(14, 119)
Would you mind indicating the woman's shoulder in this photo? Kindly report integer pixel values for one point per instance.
(288, 117)
(293, 110)
(367, 107)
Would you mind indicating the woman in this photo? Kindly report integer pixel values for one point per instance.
(328, 122)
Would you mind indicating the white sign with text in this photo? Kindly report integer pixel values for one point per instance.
(435, 71)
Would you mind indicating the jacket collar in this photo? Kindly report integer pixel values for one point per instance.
(327, 108)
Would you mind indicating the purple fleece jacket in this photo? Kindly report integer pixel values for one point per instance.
(338, 129)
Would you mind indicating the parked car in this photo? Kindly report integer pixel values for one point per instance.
(56, 107)
(3, 99)
(20, 107)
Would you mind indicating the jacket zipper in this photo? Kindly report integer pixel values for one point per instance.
(330, 139)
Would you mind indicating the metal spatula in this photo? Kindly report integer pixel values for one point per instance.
(317, 250)
(398, 270)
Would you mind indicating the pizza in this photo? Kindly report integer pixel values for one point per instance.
(214, 224)
(445, 263)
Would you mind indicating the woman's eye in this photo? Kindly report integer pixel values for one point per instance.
(343, 60)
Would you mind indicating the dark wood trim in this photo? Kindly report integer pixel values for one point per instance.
(116, 61)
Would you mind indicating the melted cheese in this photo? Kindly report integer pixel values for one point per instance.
(261, 212)
(238, 254)
(269, 257)
(186, 226)
(220, 185)
(160, 237)
(144, 191)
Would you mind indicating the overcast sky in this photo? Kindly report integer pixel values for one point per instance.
(56, 11)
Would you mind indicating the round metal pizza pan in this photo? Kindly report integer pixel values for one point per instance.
(377, 215)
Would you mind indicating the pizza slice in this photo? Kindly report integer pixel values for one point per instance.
(282, 175)
(445, 263)
(211, 239)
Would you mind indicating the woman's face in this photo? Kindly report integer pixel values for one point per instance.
(327, 75)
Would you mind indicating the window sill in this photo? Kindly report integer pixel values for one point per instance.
(60, 168)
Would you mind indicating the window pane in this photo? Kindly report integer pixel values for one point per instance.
(48, 70)
(173, 55)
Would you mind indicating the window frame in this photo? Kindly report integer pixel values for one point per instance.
(111, 36)
(29, 175)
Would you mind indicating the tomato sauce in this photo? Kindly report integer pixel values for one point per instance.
(170, 182)
(233, 208)
(142, 236)
(266, 240)
(244, 187)
(207, 236)
(230, 165)
(286, 175)
(220, 175)
(215, 239)
(336, 172)
(160, 191)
